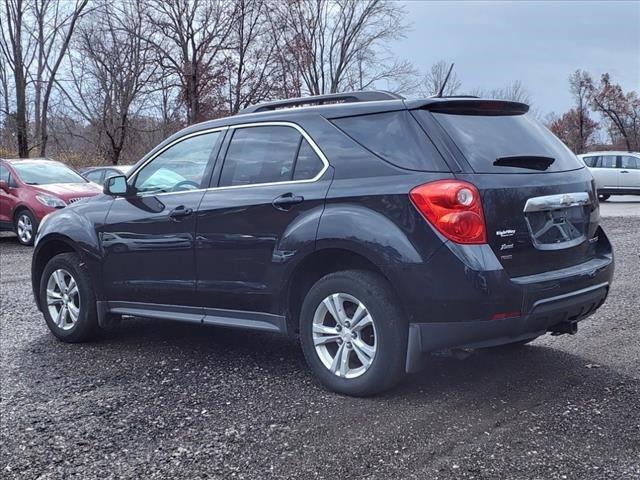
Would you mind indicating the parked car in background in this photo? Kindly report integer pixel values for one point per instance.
(615, 173)
(100, 174)
(33, 188)
(376, 230)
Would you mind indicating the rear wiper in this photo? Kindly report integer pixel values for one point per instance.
(532, 162)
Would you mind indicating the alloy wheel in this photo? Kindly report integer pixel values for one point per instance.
(63, 299)
(25, 228)
(344, 335)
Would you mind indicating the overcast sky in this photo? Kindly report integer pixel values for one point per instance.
(539, 43)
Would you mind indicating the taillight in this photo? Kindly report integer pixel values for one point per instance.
(454, 208)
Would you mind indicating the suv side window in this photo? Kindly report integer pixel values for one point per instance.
(630, 162)
(608, 161)
(260, 155)
(181, 167)
(308, 163)
(395, 137)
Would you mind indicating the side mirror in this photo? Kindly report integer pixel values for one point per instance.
(4, 186)
(116, 186)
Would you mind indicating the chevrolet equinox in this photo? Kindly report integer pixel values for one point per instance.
(373, 228)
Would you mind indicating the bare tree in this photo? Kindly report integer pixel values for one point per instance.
(434, 80)
(251, 62)
(111, 71)
(340, 45)
(514, 92)
(579, 82)
(55, 23)
(621, 110)
(14, 50)
(574, 129)
(190, 38)
(40, 31)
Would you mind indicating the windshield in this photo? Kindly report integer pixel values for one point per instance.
(484, 139)
(33, 173)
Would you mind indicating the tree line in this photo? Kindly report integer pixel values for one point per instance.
(618, 111)
(103, 81)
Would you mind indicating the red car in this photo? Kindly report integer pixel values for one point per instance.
(32, 188)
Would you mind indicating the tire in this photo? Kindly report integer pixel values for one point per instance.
(603, 197)
(387, 334)
(25, 226)
(85, 325)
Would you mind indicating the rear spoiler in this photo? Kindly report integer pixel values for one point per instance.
(467, 106)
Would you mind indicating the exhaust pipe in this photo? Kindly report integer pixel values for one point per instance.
(564, 327)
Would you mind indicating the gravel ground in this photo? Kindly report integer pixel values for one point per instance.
(165, 400)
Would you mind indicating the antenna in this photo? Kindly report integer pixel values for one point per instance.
(446, 79)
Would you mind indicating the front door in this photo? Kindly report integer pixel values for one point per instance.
(8, 197)
(148, 238)
(265, 211)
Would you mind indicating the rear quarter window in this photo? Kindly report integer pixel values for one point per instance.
(483, 139)
(395, 137)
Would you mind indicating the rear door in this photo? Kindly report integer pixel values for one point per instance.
(607, 172)
(264, 211)
(537, 196)
(629, 176)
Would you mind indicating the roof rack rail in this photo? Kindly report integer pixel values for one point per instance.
(347, 97)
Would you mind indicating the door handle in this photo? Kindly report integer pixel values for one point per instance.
(284, 202)
(624, 171)
(180, 212)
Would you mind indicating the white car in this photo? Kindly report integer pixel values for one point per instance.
(615, 173)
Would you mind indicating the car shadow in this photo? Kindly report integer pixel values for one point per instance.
(8, 237)
(123, 355)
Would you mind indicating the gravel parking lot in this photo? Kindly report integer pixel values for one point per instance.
(158, 399)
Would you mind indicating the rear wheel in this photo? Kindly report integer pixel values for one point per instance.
(25, 227)
(353, 333)
(67, 299)
(603, 197)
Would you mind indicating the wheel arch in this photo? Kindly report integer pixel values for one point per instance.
(315, 266)
(20, 207)
(47, 248)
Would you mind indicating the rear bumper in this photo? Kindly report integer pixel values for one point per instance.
(470, 301)
(546, 314)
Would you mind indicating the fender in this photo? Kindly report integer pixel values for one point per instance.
(379, 238)
(21, 206)
(75, 227)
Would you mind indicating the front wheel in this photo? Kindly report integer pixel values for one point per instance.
(25, 226)
(353, 333)
(67, 299)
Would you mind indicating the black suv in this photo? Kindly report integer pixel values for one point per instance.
(374, 228)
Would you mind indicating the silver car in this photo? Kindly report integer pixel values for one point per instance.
(615, 173)
(100, 174)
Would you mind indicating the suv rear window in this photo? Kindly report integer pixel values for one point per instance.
(483, 139)
(395, 137)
